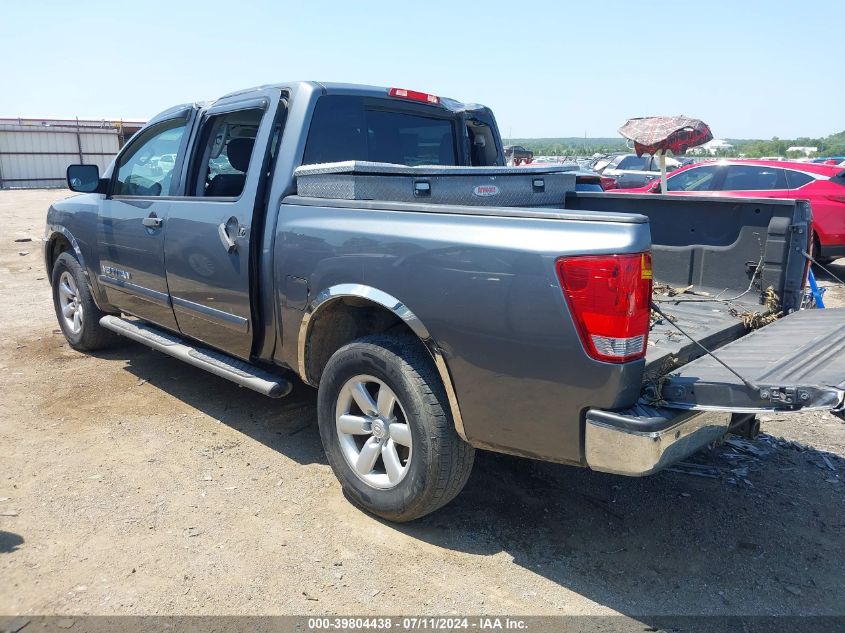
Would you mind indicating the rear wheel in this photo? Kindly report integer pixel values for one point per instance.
(78, 315)
(817, 252)
(387, 431)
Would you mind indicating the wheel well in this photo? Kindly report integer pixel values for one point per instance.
(340, 322)
(57, 245)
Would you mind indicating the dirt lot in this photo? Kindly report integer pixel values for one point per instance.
(133, 484)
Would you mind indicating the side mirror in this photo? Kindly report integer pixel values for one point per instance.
(84, 179)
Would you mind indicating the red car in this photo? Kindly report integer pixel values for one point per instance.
(822, 185)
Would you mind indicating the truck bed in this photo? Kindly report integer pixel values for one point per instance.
(711, 322)
(712, 245)
(731, 253)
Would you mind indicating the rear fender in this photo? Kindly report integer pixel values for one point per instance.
(399, 309)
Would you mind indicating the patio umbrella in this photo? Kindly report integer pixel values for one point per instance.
(657, 135)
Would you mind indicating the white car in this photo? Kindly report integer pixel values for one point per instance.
(166, 162)
(630, 170)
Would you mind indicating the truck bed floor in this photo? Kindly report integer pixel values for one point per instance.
(710, 322)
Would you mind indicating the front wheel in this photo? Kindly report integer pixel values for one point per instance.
(387, 431)
(78, 315)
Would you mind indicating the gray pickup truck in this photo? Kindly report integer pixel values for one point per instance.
(436, 305)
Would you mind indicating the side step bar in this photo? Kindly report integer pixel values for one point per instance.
(219, 364)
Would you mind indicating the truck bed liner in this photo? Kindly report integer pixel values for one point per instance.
(710, 322)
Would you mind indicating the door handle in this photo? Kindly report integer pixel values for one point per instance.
(228, 243)
(152, 221)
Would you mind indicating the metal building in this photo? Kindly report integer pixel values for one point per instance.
(35, 153)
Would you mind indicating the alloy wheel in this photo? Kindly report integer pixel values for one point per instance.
(373, 432)
(69, 303)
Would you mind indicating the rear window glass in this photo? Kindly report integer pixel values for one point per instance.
(345, 128)
(634, 163)
(797, 179)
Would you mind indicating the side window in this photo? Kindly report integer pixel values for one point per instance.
(482, 144)
(753, 178)
(670, 164)
(796, 179)
(696, 179)
(146, 168)
(634, 163)
(224, 152)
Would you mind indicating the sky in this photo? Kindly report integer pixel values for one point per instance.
(749, 68)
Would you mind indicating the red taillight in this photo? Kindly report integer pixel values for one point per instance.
(607, 183)
(609, 297)
(413, 95)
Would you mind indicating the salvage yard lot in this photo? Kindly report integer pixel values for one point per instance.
(131, 483)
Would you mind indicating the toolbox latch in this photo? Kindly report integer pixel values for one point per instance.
(422, 189)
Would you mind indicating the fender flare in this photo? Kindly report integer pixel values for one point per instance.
(54, 232)
(391, 303)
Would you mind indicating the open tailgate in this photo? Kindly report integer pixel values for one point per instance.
(795, 363)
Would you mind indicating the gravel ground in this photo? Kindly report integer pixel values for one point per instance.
(131, 483)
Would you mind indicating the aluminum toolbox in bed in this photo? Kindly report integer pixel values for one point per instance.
(480, 186)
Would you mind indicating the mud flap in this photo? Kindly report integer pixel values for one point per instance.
(796, 363)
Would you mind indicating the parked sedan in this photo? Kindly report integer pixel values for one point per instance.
(822, 185)
(630, 170)
(829, 160)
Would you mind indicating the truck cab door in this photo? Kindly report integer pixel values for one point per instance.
(213, 227)
(132, 217)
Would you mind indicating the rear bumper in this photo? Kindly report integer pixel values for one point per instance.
(833, 251)
(644, 440)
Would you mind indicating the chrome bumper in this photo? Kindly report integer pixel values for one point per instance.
(644, 441)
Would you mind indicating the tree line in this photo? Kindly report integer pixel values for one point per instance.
(832, 145)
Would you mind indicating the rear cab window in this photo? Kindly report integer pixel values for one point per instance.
(381, 130)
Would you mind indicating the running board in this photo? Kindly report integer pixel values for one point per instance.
(218, 363)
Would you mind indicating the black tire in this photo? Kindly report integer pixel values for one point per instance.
(92, 336)
(441, 461)
(817, 252)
